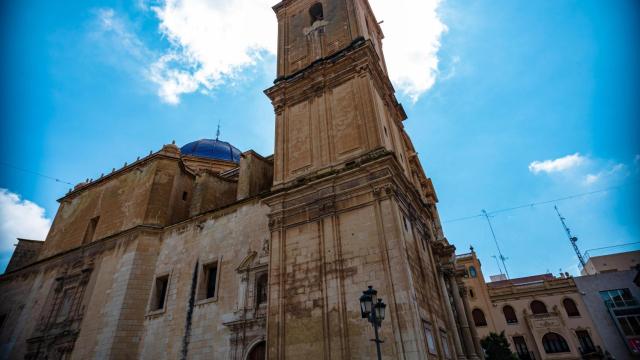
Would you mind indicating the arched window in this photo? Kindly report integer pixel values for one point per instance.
(472, 272)
(554, 343)
(261, 289)
(316, 13)
(478, 317)
(510, 315)
(538, 307)
(570, 307)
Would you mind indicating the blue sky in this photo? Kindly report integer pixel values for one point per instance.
(509, 103)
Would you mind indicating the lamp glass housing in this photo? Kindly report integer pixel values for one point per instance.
(380, 309)
(365, 305)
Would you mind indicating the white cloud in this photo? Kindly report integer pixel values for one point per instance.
(412, 31)
(211, 42)
(20, 218)
(557, 165)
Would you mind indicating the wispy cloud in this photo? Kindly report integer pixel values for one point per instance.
(584, 170)
(20, 218)
(557, 165)
(112, 26)
(610, 172)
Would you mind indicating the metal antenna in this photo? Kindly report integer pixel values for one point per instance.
(218, 132)
(502, 258)
(497, 262)
(572, 239)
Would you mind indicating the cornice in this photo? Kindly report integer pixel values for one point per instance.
(325, 73)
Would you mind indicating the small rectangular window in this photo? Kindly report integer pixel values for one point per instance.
(212, 275)
(208, 282)
(445, 344)
(431, 342)
(160, 292)
(185, 195)
(3, 318)
(91, 230)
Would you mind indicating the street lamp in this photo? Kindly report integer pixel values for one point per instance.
(373, 309)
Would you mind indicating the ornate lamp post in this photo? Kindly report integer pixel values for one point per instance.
(373, 309)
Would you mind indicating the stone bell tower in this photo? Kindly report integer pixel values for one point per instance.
(351, 205)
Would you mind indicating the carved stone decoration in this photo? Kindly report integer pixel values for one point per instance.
(248, 325)
(265, 248)
(59, 326)
(275, 222)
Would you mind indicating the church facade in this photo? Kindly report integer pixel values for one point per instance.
(205, 252)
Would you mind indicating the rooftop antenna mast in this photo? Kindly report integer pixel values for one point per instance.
(502, 258)
(498, 262)
(572, 239)
(218, 132)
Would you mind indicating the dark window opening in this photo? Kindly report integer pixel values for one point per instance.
(262, 289)
(208, 282)
(570, 307)
(3, 318)
(510, 315)
(445, 344)
(211, 277)
(185, 195)
(538, 307)
(471, 293)
(316, 12)
(586, 345)
(160, 292)
(478, 317)
(385, 131)
(554, 343)
(521, 347)
(91, 230)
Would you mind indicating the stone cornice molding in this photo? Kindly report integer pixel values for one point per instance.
(357, 59)
(88, 250)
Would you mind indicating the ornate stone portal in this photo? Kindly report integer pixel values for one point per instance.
(62, 315)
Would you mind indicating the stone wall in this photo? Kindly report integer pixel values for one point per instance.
(26, 252)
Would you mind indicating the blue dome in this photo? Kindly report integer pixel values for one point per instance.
(212, 149)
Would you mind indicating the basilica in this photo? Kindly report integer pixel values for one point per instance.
(207, 252)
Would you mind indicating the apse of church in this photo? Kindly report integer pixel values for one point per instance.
(207, 252)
